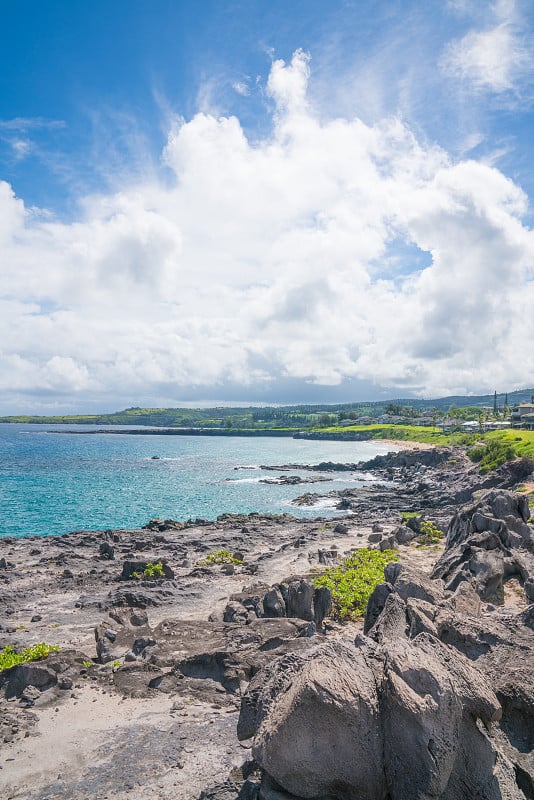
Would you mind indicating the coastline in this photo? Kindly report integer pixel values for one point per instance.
(144, 698)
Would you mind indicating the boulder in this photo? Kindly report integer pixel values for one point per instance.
(273, 603)
(36, 674)
(404, 534)
(300, 599)
(316, 725)
(106, 550)
(350, 721)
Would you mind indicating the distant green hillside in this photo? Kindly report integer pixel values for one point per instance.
(295, 417)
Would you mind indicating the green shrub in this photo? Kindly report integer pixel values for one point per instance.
(352, 582)
(9, 658)
(218, 557)
(430, 533)
(406, 515)
(153, 571)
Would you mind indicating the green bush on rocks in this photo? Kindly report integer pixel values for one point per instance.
(352, 582)
(219, 557)
(9, 658)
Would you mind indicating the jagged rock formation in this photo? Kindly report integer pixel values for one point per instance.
(436, 701)
(292, 598)
(489, 542)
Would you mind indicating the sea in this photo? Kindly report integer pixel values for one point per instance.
(53, 480)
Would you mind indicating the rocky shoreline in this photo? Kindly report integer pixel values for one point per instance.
(230, 680)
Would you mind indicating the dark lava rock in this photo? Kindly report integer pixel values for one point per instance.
(15, 680)
(106, 550)
(489, 541)
(142, 596)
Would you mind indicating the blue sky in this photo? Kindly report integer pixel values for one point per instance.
(264, 200)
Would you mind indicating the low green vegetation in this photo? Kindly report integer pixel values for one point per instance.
(491, 454)
(426, 434)
(218, 557)
(430, 533)
(406, 515)
(154, 571)
(352, 582)
(150, 573)
(521, 441)
(9, 658)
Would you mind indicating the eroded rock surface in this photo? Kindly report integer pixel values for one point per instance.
(436, 701)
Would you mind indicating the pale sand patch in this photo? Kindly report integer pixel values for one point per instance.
(515, 599)
(67, 739)
(405, 444)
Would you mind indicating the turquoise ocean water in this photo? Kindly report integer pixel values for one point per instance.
(55, 483)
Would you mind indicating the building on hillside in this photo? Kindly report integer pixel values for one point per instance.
(522, 416)
(470, 426)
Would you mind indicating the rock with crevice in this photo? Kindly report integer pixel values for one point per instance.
(344, 721)
(488, 542)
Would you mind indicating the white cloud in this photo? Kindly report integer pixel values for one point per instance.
(497, 58)
(258, 264)
(17, 133)
(241, 87)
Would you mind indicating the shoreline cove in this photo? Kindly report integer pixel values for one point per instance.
(181, 686)
(55, 484)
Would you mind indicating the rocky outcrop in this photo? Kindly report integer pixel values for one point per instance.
(489, 542)
(295, 598)
(402, 720)
(435, 701)
(205, 659)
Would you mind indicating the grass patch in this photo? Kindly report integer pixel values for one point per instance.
(219, 557)
(352, 582)
(491, 454)
(426, 434)
(9, 658)
(521, 441)
(406, 515)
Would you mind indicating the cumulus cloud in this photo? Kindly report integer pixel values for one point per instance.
(265, 263)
